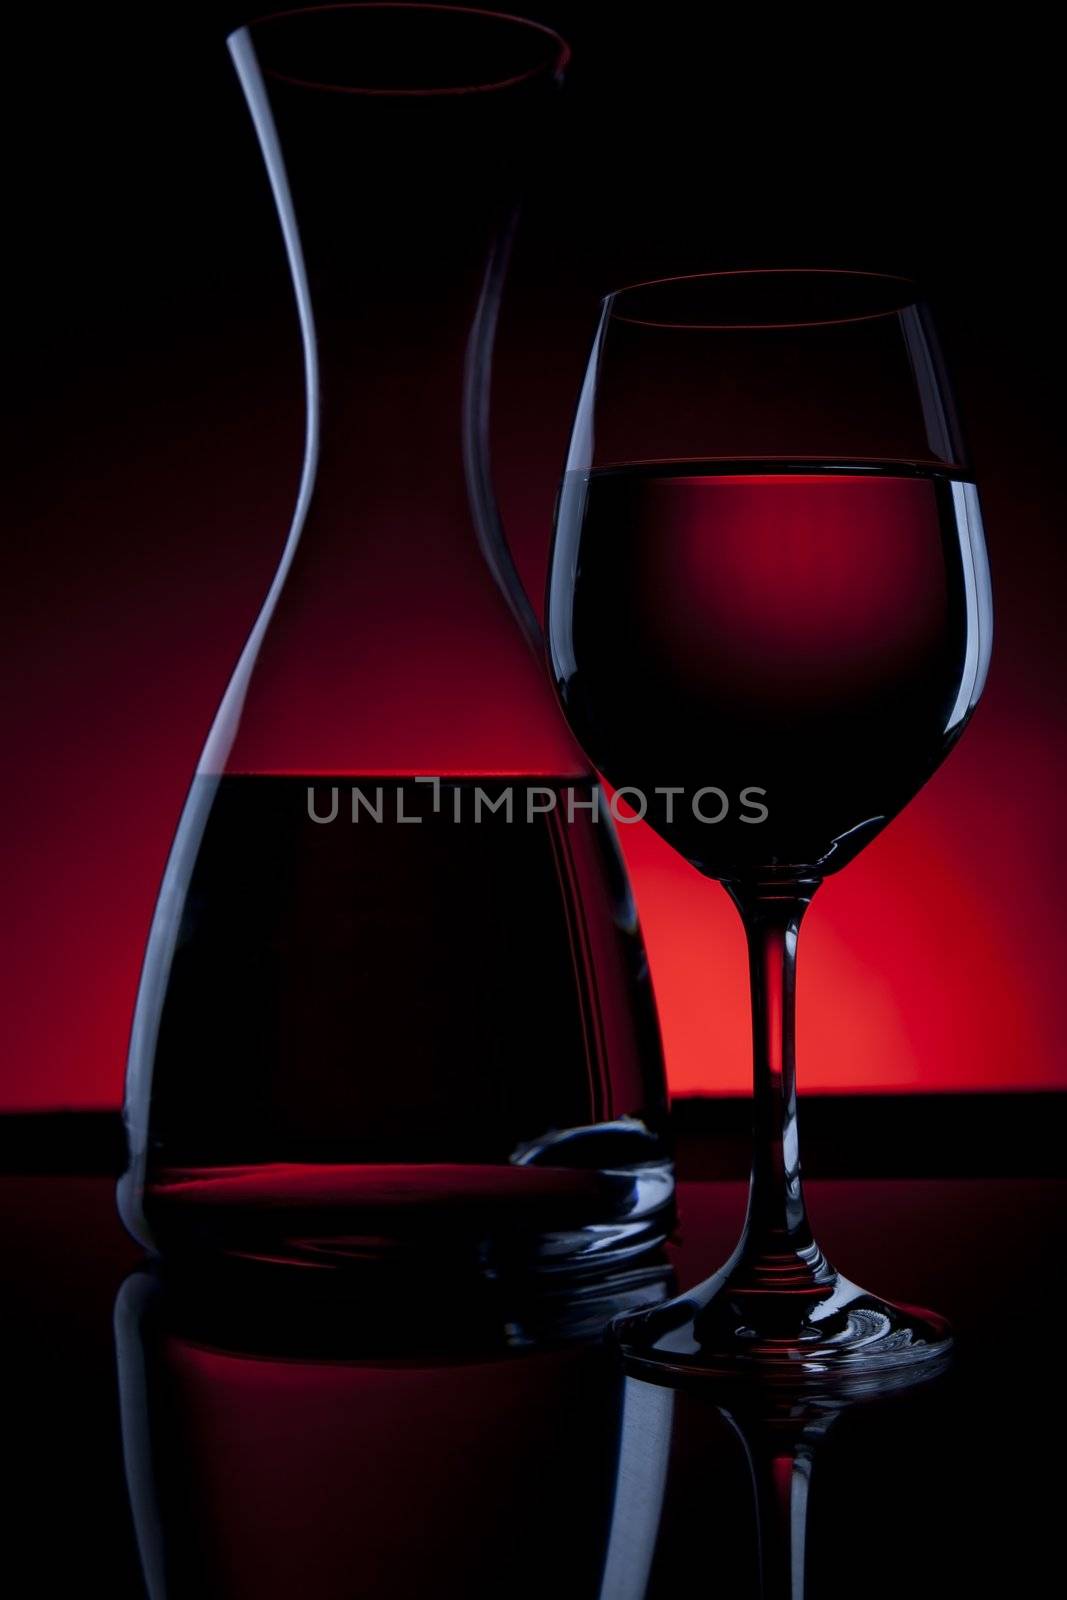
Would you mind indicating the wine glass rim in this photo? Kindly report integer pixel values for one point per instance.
(770, 324)
(553, 64)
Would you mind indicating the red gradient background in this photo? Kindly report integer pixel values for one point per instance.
(160, 387)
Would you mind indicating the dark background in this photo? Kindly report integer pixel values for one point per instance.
(158, 418)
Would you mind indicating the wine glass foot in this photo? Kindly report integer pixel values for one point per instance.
(832, 1330)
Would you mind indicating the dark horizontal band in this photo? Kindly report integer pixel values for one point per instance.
(843, 1136)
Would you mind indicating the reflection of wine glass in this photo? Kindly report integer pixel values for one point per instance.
(769, 620)
(779, 1428)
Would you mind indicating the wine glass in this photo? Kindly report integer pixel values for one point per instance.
(769, 620)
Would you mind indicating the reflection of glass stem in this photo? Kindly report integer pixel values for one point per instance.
(780, 1451)
(779, 1428)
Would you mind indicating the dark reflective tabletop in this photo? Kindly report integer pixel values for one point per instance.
(257, 1456)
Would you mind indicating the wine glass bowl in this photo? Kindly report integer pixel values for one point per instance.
(751, 596)
(769, 620)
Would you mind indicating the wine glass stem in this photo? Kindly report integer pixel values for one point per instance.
(777, 1248)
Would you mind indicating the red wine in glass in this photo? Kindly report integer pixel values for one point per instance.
(774, 655)
(769, 620)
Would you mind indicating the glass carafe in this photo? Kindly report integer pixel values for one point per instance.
(395, 996)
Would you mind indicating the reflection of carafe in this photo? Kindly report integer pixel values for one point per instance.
(286, 1466)
(376, 1011)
